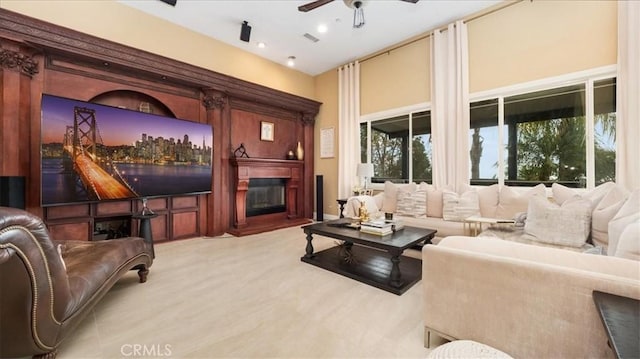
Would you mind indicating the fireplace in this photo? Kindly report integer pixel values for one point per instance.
(268, 195)
(265, 196)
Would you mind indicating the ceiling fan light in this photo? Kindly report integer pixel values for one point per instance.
(358, 17)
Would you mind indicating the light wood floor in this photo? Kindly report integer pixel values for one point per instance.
(248, 297)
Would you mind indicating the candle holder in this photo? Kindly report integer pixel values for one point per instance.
(146, 211)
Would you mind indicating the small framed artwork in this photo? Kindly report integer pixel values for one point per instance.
(266, 131)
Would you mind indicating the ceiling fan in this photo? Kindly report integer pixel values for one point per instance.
(356, 5)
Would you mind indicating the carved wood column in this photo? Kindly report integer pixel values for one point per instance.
(18, 66)
(308, 122)
(217, 105)
(293, 200)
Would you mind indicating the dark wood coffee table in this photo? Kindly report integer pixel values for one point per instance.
(374, 260)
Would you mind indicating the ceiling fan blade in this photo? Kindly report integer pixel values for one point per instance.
(411, 1)
(312, 5)
(170, 2)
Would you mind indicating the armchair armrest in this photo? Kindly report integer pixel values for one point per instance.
(527, 301)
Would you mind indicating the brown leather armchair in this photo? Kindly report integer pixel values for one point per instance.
(48, 286)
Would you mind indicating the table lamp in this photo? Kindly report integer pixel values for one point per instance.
(365, 170)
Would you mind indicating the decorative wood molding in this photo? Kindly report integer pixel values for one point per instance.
(214, 102)
(53, 39)
(308, 119)
(14, 60)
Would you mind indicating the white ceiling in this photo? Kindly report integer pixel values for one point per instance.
(280, 25)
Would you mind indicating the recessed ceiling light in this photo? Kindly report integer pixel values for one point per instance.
(322, 28)
(261, 45)
(291, 62)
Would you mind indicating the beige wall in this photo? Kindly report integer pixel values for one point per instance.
(327, 93)
(123, 24)
(397, 78)
(523, 42)
(534, 40)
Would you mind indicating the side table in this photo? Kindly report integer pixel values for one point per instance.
(341, 203)
(621, 319)
(473, 224)
(145, 229)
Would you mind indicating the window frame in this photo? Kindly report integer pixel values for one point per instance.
(586, 78)
(383, 115)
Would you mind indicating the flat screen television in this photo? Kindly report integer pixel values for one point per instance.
(92, 152)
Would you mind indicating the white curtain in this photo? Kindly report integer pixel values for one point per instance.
(628, 95)
(348, 127)
(450, 106)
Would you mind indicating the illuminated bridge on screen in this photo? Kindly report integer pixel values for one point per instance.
(100, 177)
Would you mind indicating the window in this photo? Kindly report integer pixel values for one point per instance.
(604, 94)
(483, 142)
(547, 136)
(400, 147)
(519, 136)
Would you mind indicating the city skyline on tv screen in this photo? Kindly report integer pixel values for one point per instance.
(93, 152)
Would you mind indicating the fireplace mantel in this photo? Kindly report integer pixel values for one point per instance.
(248, 168)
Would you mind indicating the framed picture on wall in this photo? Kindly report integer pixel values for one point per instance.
(266, 131)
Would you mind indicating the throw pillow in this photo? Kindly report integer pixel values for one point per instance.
(404, 202)
(434, 201)
(457, 207)
(604, 212)
(566, 225)
(629, 242)
(512, 202)
(412, 203)
(391, 195)
(488, 198)
(562, 193)
(628, 213)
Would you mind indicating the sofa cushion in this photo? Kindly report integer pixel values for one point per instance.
(489, 198)
(629, 242)
(391, 194)
(434, 203)
(566, 225)
(513, 202)
(628, 213)
(562, 193)
(457, 207)
(604, 212)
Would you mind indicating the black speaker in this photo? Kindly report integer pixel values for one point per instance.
(319, 197)
(12, 191)
(245, 33)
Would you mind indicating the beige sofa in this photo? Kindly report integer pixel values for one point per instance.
(559, 217)
(422, 205)
(527, 301)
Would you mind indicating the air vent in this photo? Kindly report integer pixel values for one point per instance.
(311, 37)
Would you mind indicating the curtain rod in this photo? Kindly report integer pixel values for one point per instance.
(441, 29)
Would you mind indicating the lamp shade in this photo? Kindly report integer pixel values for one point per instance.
(12, 191)
(365, 170)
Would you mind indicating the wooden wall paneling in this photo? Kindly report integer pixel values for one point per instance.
(70, 211)
(81, 66)
(184, 224)
(160, 227)
(217, 114)
(114, 208)
(308, 121)
(80, 229)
